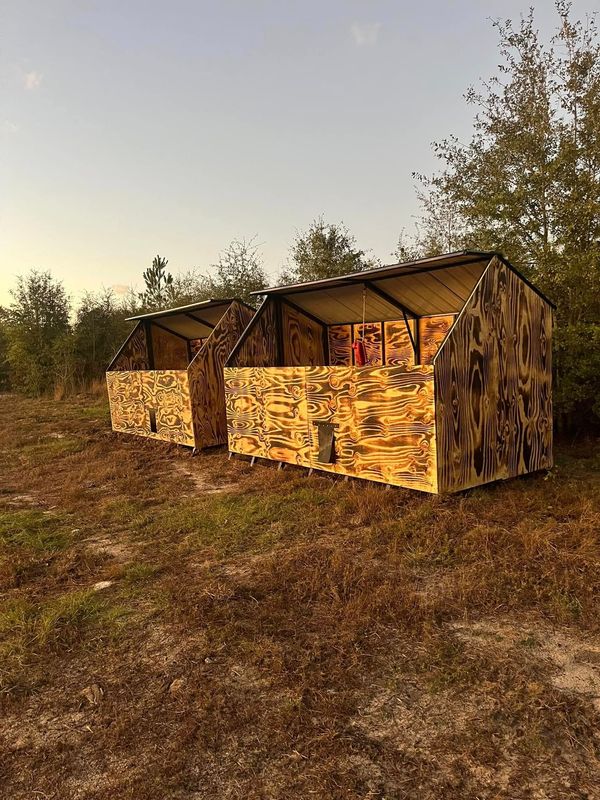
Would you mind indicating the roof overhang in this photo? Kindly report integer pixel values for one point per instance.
(194, 321)
(423, 287)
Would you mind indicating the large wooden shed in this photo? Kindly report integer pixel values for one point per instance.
(456, 391)
(166, 381)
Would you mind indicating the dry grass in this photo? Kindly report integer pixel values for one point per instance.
(261, 634)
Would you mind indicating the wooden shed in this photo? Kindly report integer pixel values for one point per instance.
(166, 381)
(456, 390)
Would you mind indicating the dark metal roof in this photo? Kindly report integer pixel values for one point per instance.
(167, 312)
(433, 285)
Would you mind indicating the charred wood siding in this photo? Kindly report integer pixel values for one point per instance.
(494, 385)
(206, 377)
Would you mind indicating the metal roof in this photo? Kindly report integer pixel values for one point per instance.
(434, 285)
(194, 321)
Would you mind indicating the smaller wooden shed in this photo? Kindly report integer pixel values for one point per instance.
(456, 390)
(166, 381)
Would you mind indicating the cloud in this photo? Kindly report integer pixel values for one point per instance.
(365, 34)
(32, 80)
(120, 288)
(9, 127)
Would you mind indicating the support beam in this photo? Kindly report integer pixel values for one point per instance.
(199, 319)
(149, 348)
(414, 340)
(168, 330)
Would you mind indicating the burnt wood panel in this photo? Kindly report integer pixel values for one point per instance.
(383, 419)
(134, 353)
(399, 351)
(206, 376)
(340, 345)
(302, 339)
(170, 351)
(371, 335)
(133, 396)
(259, 347)
(493, 379)
(432, 332)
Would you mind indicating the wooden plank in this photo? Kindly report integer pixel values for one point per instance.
(133, 394)
(399, 351)
(134, 352)
(383, 417)
(340, 345)
(302, 338)
(206, 376)
(493, 378)
(259, 346)
(170, 350)
(432, 332)
(371, 336)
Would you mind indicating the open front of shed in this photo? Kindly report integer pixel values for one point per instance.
(456, 390)
(166, 381)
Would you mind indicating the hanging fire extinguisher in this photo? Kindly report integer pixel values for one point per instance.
(360, 358)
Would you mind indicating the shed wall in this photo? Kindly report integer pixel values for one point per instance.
(493, 378)
(206, 376)
(384, 419)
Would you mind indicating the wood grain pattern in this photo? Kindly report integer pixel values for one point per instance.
(169, 351)
(432, 332)
(383, 416)
(134, 353)
(259, 348)
(371, 335)
(206, 376)
(399, 351)
(132, 395)
(302, 339)
(494, 385)
(340, 345)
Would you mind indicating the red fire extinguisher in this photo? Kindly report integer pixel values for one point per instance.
(360, 358)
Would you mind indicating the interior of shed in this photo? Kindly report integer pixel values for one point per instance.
(168, 339)
(399, 314)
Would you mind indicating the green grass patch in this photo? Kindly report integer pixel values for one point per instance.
(33, 530)
(237, 523)
(28, 632)
(50, 448)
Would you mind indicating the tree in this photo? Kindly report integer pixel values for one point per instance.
(528, 181)
(238, 272)
(38, 319)
(324, 251)
(98, 331)
(4, 367)
(158, 281)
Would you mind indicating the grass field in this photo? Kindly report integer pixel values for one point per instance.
(175, 627)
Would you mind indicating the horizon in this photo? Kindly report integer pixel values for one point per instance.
(175, 130)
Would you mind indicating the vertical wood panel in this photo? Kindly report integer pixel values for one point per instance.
(340, 345)
(432, 332)
(302, 339)
(206, 376)
(170, 351)
(259, 348)
(371, 335)
(134, 353)
(399, 351)
(494, 385)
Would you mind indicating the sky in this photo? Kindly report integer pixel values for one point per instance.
(135, 127)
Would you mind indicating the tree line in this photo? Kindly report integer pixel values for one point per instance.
(527, 183)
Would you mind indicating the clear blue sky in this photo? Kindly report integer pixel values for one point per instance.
(135, 127)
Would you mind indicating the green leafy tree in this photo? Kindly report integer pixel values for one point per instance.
(98, 331)
(324, 251)
(38, 320)
(528, 181)
(4, 367)
(238, 272)
(158, 283)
